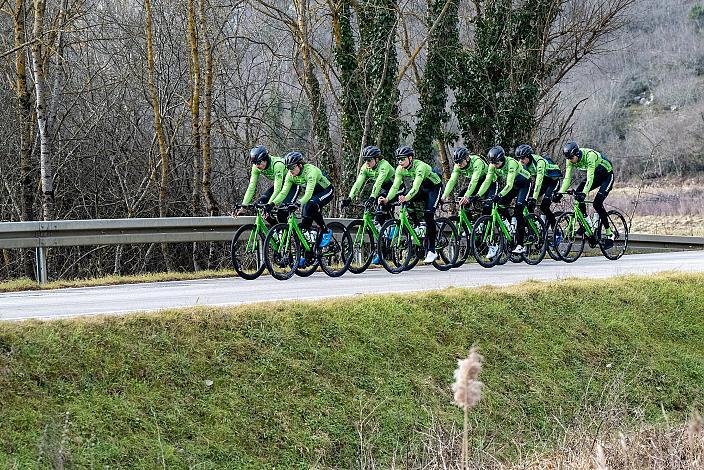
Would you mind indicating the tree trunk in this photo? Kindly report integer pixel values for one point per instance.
(211, 202)
(195, 120)
(163, 149)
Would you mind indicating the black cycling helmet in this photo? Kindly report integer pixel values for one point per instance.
(524, 151)
(370, 152)
(258, 154)
(293, 158)
(570, 149)
(496, 155)
(460, 154)
(403, 152)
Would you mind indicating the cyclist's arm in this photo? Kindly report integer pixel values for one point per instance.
(279, 177)
(476, 174)
(398, 179)
(252, 188)
(488, 179)
(284, 190)
(359, 182)
(510, 178)
(451, 182)
(568, 178)
(421, 174)
(380, 178)
(591, 166)
(539, 175)
(311, 181)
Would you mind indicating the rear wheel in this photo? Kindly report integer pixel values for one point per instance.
(614, 246)
(363, 246)
(247, 252)
(488, 242)
(534, 240)
(446, 244)
(281, 252)
(394, 246)
(567, 239)
(336, 256)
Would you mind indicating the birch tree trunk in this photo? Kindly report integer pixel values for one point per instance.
(39, 72)
(195, 119)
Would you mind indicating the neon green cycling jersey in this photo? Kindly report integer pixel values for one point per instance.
(540, 168)
(509, 173)
(476, 168)
(381, 173)
(419, 171)
(310, 176)
(275, 171)
(590, 160)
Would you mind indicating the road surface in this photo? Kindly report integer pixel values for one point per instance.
(63, 303)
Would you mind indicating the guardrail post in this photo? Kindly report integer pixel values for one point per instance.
(40, 259)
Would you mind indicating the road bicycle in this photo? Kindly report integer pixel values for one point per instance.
(364, 233)
(573, 230)
(288, 250)
(464, 222)
(401, 244)
(492, 240)
(247, 247)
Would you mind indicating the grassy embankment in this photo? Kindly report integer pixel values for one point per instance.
(296, 385)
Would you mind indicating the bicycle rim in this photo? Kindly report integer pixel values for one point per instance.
(282, 251)
(363, 246)
(446, 244)
(535, 241)
(247, 252)
(567, 241)
(487, 242)
(335, 257)
(394, 246)
(615, 246)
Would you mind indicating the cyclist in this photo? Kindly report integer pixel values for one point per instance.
(426, 187)
(546, 175)
(383, 174)
(318, 192)
(272, 168)
(469, 166)
(600, 175)
(516, 184)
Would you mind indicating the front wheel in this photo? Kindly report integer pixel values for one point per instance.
(488, 241)
(282, 251)
(446, 244)
(568, 239)
(247, 252)
(613, 245)
(464, 248)
(394, 246)
(335, 257)
(363, 246)
(535, 241)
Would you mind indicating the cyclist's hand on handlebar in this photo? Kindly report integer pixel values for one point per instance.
(268, 207)
(382, 200)
(464, 200)
(556, 197)
(402, 199)
(240, 211)
(530, 204)
(496, 199)
(580, 196)
(345, 202)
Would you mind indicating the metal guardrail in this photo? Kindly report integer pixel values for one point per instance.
(44, 235)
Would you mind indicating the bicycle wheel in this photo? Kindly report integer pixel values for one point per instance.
(363, 246)
(446, 244)
(335, 257)
(614, 246)
(247, 252)
(394, 246)
(281, 252)
(464, 247)
(488, 242)
(535, 240)
(566, 239)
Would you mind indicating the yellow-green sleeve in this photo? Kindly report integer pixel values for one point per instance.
(359, 182)
(477, 169)
(488, 179)
(288, 183)
(398, 179)
(568, 178)
(539, 175)
(451, 182)
(252, 187)
(380, 178)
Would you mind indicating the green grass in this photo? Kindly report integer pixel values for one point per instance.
(25, 284)
(292, 382)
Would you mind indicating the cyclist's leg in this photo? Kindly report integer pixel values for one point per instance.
(582, 205)
(549, 186)
(522, 193)
(312, 211)
(431, 205)
(486, 207)
(604, 181)
(266, 196)
(506, 201)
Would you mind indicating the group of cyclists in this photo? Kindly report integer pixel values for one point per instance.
(522, 179)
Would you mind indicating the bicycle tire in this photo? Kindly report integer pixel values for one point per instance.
(281, 261)
(565, 238)
(445, 244)
(334, 259)
(620, 228)
(394, 253)
(481, 245)
(464, 246)
(534, 240)
(363, 246)
(237, 260)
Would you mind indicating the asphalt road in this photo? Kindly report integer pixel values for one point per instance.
(63, 303)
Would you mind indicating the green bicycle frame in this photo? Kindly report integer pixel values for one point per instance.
(464, 220)
(581, 219)
(529, 220)
(293, 228)
(367, 222)
(259, 227)
(403, 220)
(496, 219)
